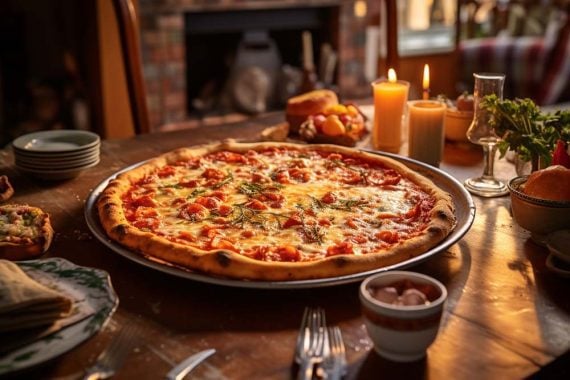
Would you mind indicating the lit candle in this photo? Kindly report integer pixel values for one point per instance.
(425, 131)
(389, 103)
(426, 83)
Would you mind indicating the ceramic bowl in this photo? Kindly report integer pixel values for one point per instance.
(401, 333)
(539, 216)
(456, 124)
(558, 243)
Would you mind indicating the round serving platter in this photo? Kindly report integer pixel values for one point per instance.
(86, 285)
(464, 212)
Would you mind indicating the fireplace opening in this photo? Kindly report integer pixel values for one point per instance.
(251, 60)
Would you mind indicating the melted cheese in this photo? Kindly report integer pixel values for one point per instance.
(16, 226)
(363, 206)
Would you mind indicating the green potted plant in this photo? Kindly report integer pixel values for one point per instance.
(525, 130)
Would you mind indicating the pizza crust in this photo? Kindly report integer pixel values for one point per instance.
(28, 249)
(230, 264)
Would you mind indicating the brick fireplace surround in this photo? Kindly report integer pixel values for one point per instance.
(164, 48)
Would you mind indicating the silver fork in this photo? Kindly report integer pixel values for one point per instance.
(334, 364)
(113, 357)
(310, 342)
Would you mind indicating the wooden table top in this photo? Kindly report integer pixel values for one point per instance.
(506, 316)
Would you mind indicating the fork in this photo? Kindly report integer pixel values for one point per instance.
(334, 363)
(310, 341)
(113, 357)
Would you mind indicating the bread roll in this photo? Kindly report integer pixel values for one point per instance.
(552, 183)
(302, 106)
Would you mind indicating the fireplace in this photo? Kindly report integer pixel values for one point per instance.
(246, 40)
(190, 49)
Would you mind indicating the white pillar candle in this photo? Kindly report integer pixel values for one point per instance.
(425, 131)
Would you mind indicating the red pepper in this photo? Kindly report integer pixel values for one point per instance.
(560, 155)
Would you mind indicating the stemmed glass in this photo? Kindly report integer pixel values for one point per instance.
(480, 132)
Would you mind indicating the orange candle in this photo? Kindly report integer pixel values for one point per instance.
(390, 97)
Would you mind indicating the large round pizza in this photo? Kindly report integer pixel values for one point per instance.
(275, 211)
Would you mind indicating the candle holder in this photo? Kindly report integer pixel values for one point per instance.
(480, 132)
(390, 97)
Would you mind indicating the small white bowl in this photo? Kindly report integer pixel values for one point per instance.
(401, 333)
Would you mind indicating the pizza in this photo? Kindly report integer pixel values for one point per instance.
(25, 232)
(275, 211)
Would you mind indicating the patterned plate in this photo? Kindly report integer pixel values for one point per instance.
(95, 287)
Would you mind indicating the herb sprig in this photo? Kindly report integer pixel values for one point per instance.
(227, 179)
(242, 215)
(524, 129)
(252, 189)
(339, 204)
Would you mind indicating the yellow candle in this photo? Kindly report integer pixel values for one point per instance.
(389, 103)
(425, 131)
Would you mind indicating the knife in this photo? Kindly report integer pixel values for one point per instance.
(182, 369)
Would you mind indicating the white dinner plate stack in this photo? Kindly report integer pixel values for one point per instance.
(56, 155)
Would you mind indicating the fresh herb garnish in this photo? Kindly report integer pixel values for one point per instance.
(227, 179)
(347, 204)
(196, 192)
(335, 163)
(313, 233)
(339, 204)
(171, 186)
(524, 129)
(317, 203)
(251, 189)
(242, 215)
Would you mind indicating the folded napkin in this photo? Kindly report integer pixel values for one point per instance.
(25, 303)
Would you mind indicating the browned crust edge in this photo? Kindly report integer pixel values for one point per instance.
(15, 251)
(6, 189)
(233, 265)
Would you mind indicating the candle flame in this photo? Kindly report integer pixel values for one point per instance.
(426, 77)
(392, 78)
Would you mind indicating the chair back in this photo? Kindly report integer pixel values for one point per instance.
(130, 45)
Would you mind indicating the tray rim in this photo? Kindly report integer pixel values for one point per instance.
(456, 235)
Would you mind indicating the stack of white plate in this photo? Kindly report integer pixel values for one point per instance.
(57, 154)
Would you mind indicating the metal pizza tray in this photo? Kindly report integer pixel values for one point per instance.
(464, 212)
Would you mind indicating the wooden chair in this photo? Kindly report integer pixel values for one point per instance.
(131, 53)
(129, 37)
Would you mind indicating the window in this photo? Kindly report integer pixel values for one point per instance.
(426, 26)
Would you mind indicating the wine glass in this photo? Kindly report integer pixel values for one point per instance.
(480, 132)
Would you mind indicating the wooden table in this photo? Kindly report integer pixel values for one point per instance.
(506, 317)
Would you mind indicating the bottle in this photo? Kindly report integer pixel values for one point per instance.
(309, 82)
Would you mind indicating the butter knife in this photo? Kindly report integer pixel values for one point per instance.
(182, 369)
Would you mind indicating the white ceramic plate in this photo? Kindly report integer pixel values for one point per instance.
(56, 174)
(464, 212)
(50, 156)
(56, 141)
(93, 284)
(57, 165)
